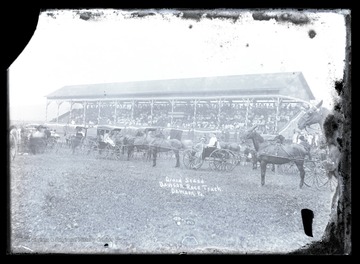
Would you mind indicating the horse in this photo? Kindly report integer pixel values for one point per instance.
(320, 115)
(314, 115)
(157, 143)
(138, 142)
(276, 153)
(76, 141)
(251, 154)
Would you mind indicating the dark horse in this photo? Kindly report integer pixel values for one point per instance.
(275, 153)
(159, 144)
(138, 142)
(251, 154)
(76, 141)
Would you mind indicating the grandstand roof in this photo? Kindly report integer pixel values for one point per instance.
(287, 83)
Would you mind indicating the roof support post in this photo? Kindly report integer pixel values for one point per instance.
(46, 109)
(70, 115)
(219, 112)
(58, 103)
(116, 106)
(247, 113)
(132, 109)
(98, 119)
(152, 110)
(195, 103)
(172, 112)
(278, 102)
(84, 117)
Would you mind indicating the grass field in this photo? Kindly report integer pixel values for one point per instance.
(64, 203)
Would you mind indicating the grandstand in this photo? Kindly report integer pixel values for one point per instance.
(230, 103)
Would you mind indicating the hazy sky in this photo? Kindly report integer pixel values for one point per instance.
(67, 50)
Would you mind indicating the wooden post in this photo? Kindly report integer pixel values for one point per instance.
(132, 110)
(85, 105)
(172, 112)
(99, 113)
(57, 115)
(151, 111)
(70, 115)
(277, 114)
(116, 105)
(219, 112)
(195, 102)
(47, 104)
(247, 114)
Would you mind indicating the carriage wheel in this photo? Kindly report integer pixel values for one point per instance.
(112, 152)
(117, 152)
(314, 175)
(106, 152)
(222, 160)
(191, 161)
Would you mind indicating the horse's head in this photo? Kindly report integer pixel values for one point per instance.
(314, 115)
(250, 133)
(254, 136)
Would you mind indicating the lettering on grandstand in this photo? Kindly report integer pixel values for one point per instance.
(188, 186)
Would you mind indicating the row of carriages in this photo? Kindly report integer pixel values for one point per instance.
(94, 141)
(90, 141)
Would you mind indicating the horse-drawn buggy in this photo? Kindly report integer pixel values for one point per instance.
(102, 141)
(219, 159)
(109, 142)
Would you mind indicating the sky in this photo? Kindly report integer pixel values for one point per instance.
(115, 47)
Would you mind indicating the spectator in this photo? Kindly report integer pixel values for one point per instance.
(213, 142)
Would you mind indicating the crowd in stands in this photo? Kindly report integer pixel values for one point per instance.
(232, 116)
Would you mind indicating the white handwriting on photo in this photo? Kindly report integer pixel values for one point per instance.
(188, 187)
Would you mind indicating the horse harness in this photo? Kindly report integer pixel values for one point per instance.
(278, 147)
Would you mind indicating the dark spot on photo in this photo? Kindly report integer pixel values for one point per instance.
(312, 33)
(339, 86)
(307, 216)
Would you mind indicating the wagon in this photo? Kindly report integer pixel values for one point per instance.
(218, 159)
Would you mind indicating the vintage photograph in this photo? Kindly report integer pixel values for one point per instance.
(170, 131)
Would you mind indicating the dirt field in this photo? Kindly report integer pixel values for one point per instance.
(64, 203)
